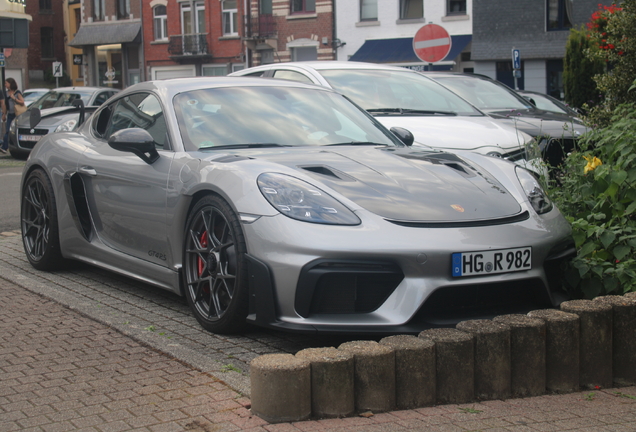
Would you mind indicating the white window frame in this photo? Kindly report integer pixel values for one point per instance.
(183, 71)
(404, 6)
(230, 16)
(368, 6)
(163, 24)
(214, 66)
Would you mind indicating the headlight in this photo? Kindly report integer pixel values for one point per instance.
(67, 126)
(300, 200)
(532, 150)
(535, 193)
(13, 127)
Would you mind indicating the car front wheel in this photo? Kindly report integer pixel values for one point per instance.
(39, 223)
(215, 278)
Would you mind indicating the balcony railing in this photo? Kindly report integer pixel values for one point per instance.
(260, 26)
(189, 45)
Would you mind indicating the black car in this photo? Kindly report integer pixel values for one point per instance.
(557, 133)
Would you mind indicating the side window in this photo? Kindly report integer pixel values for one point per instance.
(141, 110)
(101, 98)
(292, 76)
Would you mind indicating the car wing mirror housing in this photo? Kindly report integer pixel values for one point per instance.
(34, 117)
(404, 135)
(137, 141)
(79, 104)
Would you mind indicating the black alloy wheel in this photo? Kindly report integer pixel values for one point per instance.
(39, 224)
(215, 279)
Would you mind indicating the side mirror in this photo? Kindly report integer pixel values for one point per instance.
(34, 117)
(404, 135)
(137, 141)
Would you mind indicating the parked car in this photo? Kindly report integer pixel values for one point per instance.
(33, 94)
(285, 205)
(556, 133)
(404, 98)
(548, 103)
(58, 113)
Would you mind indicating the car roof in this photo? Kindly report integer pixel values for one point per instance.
(330, 65)
(173, 86)
(82, 88)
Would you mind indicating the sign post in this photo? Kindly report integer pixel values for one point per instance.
(516, 66)
(431, 43)
(57, 72)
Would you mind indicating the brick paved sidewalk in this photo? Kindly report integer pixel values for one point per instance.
(61, 371)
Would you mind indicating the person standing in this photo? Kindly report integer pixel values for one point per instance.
(13, 96)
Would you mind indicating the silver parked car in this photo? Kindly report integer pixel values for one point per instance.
(285, 205)
(401, 97)
(59, 112)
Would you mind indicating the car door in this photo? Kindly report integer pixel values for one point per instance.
(127, 196)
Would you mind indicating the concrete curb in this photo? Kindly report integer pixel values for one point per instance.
(473, 343)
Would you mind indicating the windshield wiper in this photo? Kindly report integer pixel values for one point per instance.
(357, 143)
(242, 146)
(403, 111)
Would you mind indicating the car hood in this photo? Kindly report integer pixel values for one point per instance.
(401, 184)
(458, 132)
(541, 123)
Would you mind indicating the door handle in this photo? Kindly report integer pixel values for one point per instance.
(88, 171)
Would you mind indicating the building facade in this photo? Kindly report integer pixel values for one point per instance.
(539, 29)
(192, 37)
(74, 56)
(382, 31)
(289, 30)
(110, 38)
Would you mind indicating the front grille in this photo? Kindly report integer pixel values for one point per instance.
(449, 305)
(24, 131)
(516, 155)
(345, 287)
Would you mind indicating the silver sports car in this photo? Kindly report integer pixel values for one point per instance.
(285, 205)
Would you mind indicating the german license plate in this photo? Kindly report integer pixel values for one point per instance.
(491, 261)
(29, 137)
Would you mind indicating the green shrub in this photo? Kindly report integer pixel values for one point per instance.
(596, 191)
(579, 70)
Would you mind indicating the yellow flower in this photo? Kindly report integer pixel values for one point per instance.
(592, 163)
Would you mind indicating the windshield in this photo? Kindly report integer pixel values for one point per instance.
(485, 95)
(546, 104)
(274, 116)
(32, 96)
(55, 99)
(404, 90)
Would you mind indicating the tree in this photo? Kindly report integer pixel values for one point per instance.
(579, 71)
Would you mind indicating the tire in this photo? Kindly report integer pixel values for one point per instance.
(214, 266)
(40, 233)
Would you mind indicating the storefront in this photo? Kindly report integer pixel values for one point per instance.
(112, 53)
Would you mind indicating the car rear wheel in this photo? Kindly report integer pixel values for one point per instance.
(215, 278)
(39, 225)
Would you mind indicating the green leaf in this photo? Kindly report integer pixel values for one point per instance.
(612, 190)
(630, 208)
(587, 249)
(619, 177)
(591, 287)
(607, 237)
(610, 284)
(621, 251)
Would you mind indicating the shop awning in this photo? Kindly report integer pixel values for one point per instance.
(104, 34)
(400, 50)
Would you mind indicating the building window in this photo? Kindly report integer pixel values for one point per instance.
(411, 9)
(559, 14)
(160, 22)
(45, 5)
(123, 9)
(230, 14)
(99, 10)
(266, 7)
(303, 6)
(214, 70)
(456, 7)
(46, 42)
(368, 10)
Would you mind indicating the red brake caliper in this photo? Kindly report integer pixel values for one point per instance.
(204, 243)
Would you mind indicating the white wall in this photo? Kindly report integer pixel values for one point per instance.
(535, 78)
(349, 29)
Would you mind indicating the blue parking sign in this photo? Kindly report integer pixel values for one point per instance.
(516, 59)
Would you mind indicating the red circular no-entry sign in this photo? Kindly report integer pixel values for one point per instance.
(431, 43)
